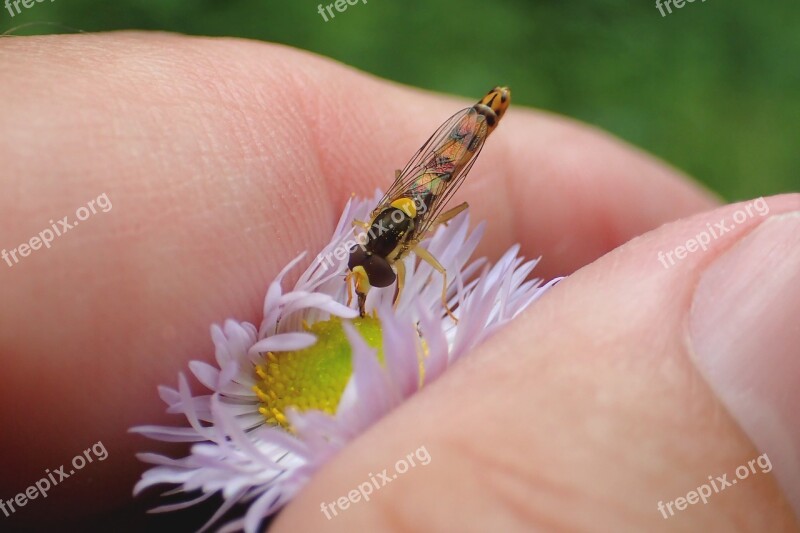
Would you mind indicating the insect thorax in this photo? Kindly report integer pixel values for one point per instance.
(388, 232)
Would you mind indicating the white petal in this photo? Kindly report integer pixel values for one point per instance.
(205, 374)
(400, 352)
(284, 342)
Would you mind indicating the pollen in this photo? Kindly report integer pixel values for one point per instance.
(312, 378)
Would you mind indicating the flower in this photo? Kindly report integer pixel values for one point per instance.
(286, 396)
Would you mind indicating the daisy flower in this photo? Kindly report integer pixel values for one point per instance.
(286, 396)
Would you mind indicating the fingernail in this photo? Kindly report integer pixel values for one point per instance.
(745, 333)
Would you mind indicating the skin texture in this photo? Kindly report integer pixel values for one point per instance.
(223, 160)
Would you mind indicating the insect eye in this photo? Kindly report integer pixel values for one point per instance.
(357, 256)
(379, 271)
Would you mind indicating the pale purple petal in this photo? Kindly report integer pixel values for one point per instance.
(238, 456)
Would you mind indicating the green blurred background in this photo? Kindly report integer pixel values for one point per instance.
(713, 88)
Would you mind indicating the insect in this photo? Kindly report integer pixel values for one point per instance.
(413, 204)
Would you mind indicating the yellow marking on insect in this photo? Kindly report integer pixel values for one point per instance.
(406, 205)
(361, 279)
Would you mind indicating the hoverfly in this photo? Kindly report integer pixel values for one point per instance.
(413, 204)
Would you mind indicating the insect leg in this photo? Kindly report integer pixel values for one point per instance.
(362, 302)
(426, 256)
(362, 296)
(361, 224)
(347, 278)
(361, 285)
(400, 269)
(448, 215)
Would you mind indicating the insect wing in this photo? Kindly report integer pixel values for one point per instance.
(440, 162)
(449, 166)
(438, 203)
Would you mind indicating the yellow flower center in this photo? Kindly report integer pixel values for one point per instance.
(315, 377)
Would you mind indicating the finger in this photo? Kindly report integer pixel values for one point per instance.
(223, 160)
(287, 120)
(593, 407)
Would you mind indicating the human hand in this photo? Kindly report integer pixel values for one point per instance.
(224, 159)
